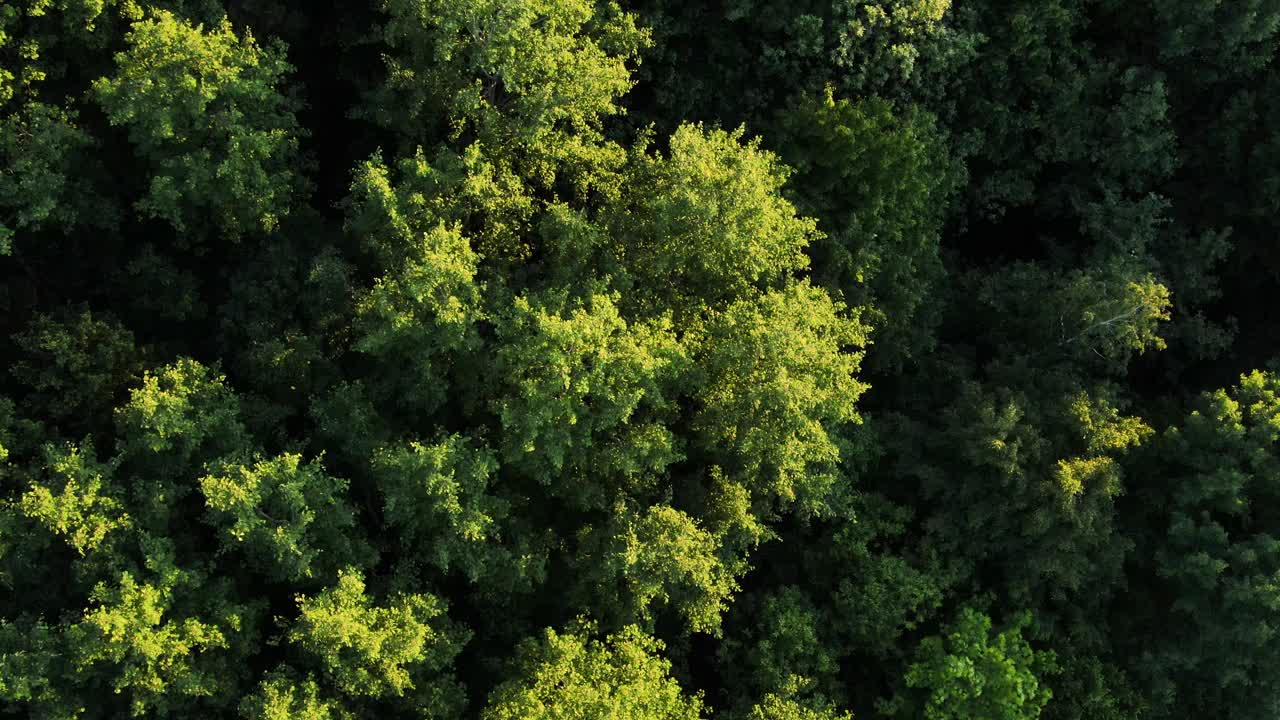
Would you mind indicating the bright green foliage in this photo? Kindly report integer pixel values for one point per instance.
(288, 517)
(783, 706)
(437, 497)
(709, 224)
(511, 97)
(586, 397)
(640, 563)
(778, 386)
(528, 83)
(424, 307)
(181, 415)
(878, 182)
(132, 638)
(573, 675)
(967, 674)
(78, 502)
(395, 220)
(370, 650)
(345, 347)
(282, 696)
(206, 109)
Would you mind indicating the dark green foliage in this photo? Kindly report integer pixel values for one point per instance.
(650, 360)
(1212, 556)
(878, 184)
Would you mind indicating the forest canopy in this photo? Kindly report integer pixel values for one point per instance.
(639, 359)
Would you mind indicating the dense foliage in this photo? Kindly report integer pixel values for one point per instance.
(639, 359)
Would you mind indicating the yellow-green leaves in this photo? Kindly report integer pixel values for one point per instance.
(283, 696)
(436, 495)
(509, 98)
(707, 223)
(659, 559)
(882, 41)
(778, 385)
(528, 82)
(432, 291)
(181, 413)
(422, 309)
(207, 110)
(1107, 434)
(574, 675)
(288, 517)
(131, 637)
(789, 704)
(374, 650)
(78, 501)
(585, 395)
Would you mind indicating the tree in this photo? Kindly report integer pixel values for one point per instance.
(878, 182)
(438, 497)
(79, 501)
(758, 55)
(421, 312)
(181, 416)
(38, 144)
(784, 706)
(288, 517)
(1028, 491)
(509, 100)
(136, 638)
(571, 674)
(1210, 556)
(791, 346)
(76, 364)
(777, 387)
(660, 560)
(710, 224)
(283, 696)
(586, 397)
(967, 673)
(783, 648)
(207, 110)
(370, 650)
